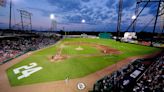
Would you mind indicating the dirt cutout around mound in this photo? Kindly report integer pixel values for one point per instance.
(58, 57)
(105, 50)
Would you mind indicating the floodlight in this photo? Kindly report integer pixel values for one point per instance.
(82, 21)
(52, 16)
(134, 17)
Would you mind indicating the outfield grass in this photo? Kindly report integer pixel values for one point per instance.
(74, 67)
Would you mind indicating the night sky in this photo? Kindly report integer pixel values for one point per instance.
(100, 15)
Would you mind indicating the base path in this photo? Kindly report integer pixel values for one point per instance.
(60, 86)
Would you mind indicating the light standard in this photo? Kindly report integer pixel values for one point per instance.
(80, 48)
(53, 22)
(10, 14)
(133, 18)
(82, 21)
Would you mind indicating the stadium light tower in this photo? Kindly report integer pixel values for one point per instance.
(53, 22)
(133, 18)
(82, 21)
(79, 47)
(10, 11)
(10, 14)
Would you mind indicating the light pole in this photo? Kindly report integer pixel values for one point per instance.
(53, 22)
(133, 18)
(80, 48)
(10, 14)
(83, 21)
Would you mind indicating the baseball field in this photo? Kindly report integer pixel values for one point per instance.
(72, 58)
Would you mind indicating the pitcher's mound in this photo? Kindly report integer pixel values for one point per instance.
(58, 57)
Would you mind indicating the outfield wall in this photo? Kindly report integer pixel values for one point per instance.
(79, 36)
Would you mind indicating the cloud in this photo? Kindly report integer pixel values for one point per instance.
(65, 5)
(74, 19)
(85, 0)
(128, 3)
(1, 23)
(94, 12)
(2, 14)
(152, 8)
(97, 13)
(111, 3)
(44, 11)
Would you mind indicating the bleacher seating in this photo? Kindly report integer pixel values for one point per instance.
(11, 47)
(142, 75)
(153, 79)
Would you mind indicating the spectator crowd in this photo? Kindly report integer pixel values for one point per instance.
(153, 79)
(12, 47)
(141, 75)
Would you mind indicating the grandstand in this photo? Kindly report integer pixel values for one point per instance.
(139, 75)
(14, 44)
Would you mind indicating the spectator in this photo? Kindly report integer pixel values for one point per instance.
(10, 48)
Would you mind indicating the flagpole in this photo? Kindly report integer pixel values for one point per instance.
(10, 14)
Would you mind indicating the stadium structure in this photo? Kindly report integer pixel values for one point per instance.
(61, 61)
